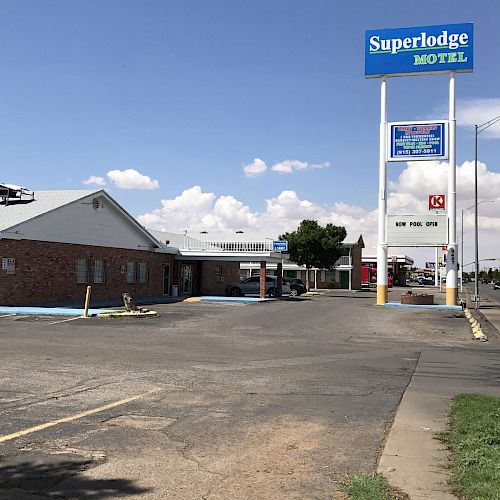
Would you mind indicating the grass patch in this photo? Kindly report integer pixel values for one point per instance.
(474, 439)
(365, 486)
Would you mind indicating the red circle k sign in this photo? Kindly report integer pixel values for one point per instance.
(436, 202)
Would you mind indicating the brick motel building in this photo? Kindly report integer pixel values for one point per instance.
(53, 244)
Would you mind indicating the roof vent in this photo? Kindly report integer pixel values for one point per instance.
(10, 194)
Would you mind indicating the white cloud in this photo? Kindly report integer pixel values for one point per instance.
(289, 166)
(94, 180)
(132, 179)
(421, 178)
(256, 168)
(195, 210)
(186, 211)
(478, 111)
(259, 167)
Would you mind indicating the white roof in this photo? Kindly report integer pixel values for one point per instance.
(17, 212)
(215, 236)
(179, 241)
(14, 187)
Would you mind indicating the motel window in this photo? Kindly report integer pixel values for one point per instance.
(329, 275)
(99, 273)
(143, 272)
(130, 272)
(82, 271)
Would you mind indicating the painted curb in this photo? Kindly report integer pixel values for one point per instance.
(477, 332)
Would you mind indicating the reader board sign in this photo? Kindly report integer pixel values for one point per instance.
(424, 140)
(419, 50)
(280, 246)
(417, 230)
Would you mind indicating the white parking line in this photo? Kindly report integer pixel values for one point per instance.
(64, 320)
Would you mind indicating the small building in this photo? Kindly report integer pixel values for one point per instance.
(398, 266)
(345, 274)
(53, 244)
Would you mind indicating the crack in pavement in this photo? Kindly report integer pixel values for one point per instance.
(55, 395)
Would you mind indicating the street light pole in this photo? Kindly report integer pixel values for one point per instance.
(476, 231)
(462, 258)
(478, 129)
(463, 212)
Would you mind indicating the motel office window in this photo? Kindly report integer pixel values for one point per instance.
(99, 271)
(82, 271)
(130, 272)
(143, 272)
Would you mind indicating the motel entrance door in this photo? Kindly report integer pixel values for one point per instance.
(166, 279)
(187, 279)
(344, 280)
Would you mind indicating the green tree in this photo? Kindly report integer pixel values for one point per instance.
(312, 245)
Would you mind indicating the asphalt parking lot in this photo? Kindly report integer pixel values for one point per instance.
(209, 400)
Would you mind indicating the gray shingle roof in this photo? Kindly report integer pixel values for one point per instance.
(45, 201)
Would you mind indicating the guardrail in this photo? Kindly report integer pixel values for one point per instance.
(227, 246)
(345, 260)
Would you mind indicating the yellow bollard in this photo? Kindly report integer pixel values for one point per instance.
(87, 302)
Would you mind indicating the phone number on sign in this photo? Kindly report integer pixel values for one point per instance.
(425, 151)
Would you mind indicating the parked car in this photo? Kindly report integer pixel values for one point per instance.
(426, 281)
(251, 286)
(297, 287)
(496, 286)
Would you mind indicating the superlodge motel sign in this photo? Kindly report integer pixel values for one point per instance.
(420, 50)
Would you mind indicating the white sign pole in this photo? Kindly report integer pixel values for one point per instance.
(436, 267)
(451, 259)
(382, 253)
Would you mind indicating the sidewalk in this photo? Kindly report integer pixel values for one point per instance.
(412, 459)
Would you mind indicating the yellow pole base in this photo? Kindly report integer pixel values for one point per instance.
(451, 296)
(382, 297)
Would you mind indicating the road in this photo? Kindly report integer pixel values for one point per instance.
(208, 401)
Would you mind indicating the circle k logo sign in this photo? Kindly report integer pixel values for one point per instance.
(436, 202)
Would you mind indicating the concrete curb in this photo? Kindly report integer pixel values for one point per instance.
(50, 311)
(477, 332)
(215, 298)
(442, 307)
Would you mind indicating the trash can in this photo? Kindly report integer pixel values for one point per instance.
(175, 290)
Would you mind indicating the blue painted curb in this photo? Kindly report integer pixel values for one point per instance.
(414, 306)
(59, 311)
(208, 298)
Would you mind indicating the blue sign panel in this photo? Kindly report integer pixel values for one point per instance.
(280, 246)
(418, 141)
(419, 50)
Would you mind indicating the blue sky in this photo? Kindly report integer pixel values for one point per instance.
(187, 92)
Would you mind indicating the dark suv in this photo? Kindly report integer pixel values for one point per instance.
(297, 287)
(251, 286)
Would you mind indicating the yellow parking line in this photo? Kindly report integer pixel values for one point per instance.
(86, 413)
